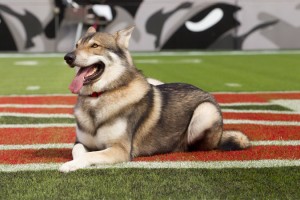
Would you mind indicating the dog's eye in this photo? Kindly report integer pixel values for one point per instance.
(95, 45)
(76, 46)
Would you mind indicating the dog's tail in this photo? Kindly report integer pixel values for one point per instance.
(234, 140)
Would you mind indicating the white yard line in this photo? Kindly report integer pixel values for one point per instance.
(161, 54)
(276, 143)
(35, 115)
(70, 145)
(37, 95)
(37, 146)
(176, 61)
(225, 110)
(259, 92)
(215, 53)
(226, 121)
(35, 106)
(68, 95)
(163, 165)
(36, 125)
(248, 104)
(262, 122)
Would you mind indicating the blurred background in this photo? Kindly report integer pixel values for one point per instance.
(55, 25)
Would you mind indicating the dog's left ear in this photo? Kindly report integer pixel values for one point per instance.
(123, 36)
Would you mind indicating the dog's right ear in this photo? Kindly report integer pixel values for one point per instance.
(90, 31)
(123, 36)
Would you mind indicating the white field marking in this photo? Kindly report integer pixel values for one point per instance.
(147, 61)
(233, 85)
(162, 165)
(31, 55)
(225, 110)
(291, 104)
(70, 145)
(164, 53)
(179, 61)
(215, 53)
(226, 121)
(262, 122)
(38, 95)
(35, 115)
(69, 95)
(37, 146)
(276, 143)
(33, 87)
(27, 63)
(260, 92)
(35, 106)
(37, 125)
(247, 104)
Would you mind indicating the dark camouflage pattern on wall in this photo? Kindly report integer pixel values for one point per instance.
(54, 25)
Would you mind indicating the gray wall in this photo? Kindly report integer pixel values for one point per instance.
(31, 26)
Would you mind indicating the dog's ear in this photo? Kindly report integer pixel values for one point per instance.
(123, 36)
(90, 31)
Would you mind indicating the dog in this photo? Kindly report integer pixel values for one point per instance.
(120, 115)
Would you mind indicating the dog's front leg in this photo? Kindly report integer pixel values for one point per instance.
(111, 155)
(78, 150)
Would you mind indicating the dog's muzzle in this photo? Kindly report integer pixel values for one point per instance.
(70, 58)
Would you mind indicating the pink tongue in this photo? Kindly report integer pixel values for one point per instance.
(77, 82)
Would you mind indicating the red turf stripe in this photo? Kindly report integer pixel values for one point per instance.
(64, 100)
(254, 98)
(254, 153)
(261, 116)
(39, 110)
(35, 156)
(14, 136)
(63, 155)
(221, 97)
(67, 134)
(266, 132)
(227, 115)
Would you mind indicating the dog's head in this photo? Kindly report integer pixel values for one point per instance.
(100, 59)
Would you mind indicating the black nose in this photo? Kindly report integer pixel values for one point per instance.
(69, 58)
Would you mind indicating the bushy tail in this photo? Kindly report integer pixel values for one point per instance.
(234, 140)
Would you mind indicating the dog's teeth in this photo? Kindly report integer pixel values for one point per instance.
(91, 72)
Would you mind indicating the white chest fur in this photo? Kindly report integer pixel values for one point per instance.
(105, 136)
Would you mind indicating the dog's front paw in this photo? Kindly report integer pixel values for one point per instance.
(72, 166)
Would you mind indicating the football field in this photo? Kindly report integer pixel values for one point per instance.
(259, 93)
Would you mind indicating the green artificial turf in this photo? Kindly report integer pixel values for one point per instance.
(266, 183)
(257, 107)
(50, 74)
(33, 120)
(252, 72)
(274, 72)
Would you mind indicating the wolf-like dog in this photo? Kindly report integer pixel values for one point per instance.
(120, 115)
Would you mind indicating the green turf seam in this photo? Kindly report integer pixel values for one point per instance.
(257, 107)
(33, 120)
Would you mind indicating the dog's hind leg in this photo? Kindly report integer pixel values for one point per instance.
(205, 128)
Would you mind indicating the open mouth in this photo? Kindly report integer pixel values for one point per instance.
(87, 75)
(93, 73)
